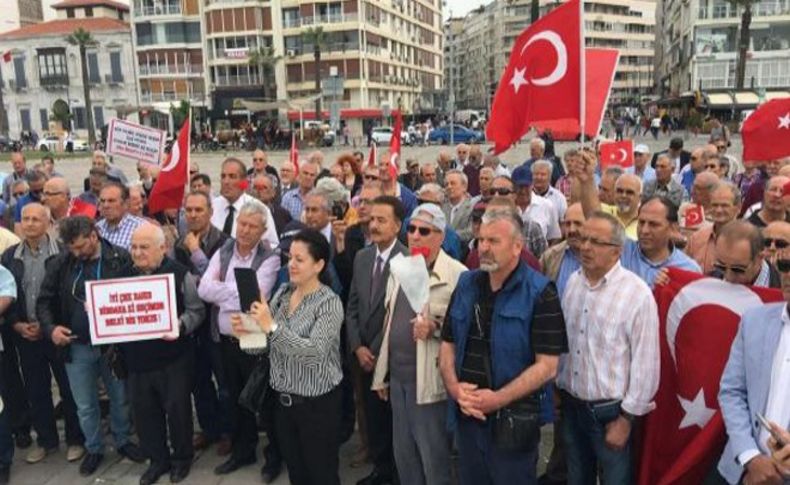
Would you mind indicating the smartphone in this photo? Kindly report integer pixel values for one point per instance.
(765, 424)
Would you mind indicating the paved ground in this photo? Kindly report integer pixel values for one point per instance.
(54, 469)
(76, 169)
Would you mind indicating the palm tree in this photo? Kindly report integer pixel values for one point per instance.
(743, 40)
(265, 59)
(83, 39)
(534, 10)
(316, 37)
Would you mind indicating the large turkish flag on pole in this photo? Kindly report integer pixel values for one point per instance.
(168, 190)
(543, 79)
(699, 317)
(395, 146)
(766, 133)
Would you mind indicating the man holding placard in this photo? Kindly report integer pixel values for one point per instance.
(61, 310)
(161, 371)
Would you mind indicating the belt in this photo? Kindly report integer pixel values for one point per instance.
(228, 338)
(601, 403)
(287, 399)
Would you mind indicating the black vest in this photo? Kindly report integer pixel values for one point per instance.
(148, 355)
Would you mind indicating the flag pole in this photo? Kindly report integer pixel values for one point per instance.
(582, 75)
(189, 148)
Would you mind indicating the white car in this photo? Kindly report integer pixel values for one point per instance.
(48, 143)
(383, 134)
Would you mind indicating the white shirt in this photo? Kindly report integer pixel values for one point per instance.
(557, 199)
(220, 206)
(541, 211)
(384, 255)
(327, 232)
(777, 408)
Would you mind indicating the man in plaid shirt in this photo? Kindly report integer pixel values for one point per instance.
(117, 224)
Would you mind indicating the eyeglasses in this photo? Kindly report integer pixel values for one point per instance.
(625, 192)
(370, 177)
(712, 167)
(365, 201)
(783, 265)
(597, 242)
(424, 231)
(779, 243)
(258, 159)
(503, 191)
(19, 194)
(736, 269)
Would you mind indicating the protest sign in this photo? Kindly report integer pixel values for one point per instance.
(134, 141)
(132, 309)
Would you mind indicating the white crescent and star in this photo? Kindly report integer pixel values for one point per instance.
(697, 412)
(624, 155)
(175, 156)
(519, 76)
(784, 121)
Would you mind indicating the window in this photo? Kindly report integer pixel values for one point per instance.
(69, 13)
(52, 66)
(145, 34)
(115, 66)
(88, 12)
(24, 118)
(44, 119)
(193, 32)
(98, 117)
(19, 72)
(93, 68)
(80, 120)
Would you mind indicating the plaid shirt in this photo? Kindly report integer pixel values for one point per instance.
(564, 185)
(120, 235)
(292, 202)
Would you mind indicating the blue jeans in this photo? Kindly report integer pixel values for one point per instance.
(584, 432)
(86, 366)
(480, 462)
(6, 442)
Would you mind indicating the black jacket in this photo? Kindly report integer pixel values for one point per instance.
(53, 306)
(17, 312)
(685, 158)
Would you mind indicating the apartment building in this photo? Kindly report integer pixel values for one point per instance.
(697, 52)
(44, 73)
(20, 13)
(489, 33)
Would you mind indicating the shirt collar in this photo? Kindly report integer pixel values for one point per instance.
(385, 255)
(611, 274)
(244, 258)
(327, 232)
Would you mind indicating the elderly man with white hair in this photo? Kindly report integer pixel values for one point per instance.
(537, 151)
(161, 371)
(541, 185)
(218, 287)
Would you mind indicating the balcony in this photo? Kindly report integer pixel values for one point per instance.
(764, 8)
(141, 10)
(333, 18)
(55, 80)
(17, 84)
(116, 79)
(237, 80)
(170, 69)
(170, 96)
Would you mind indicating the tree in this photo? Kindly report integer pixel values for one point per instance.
(83, 40)
(316, 37)
(744, 39)
(534, 10)
(266, 60)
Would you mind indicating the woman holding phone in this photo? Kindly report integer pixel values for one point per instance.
(303, 325)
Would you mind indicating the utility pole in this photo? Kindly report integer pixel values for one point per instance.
(451, 101)
(3, 125)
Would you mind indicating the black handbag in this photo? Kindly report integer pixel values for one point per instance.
(255, 390)
(517, 426)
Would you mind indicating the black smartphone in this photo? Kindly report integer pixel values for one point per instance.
(247, 286)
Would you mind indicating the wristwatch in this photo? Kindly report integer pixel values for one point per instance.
(273, 328)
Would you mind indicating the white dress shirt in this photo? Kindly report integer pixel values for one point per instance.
(777, 408)
(220, 207)
(541, 211)
(557, 199)
(384, 255)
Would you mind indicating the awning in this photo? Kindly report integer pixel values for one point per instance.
(299, 103)
(747, 98)
(344, 114)
(718, 100)
(776, 95)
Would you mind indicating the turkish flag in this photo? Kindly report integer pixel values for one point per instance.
(168, 190)
(766, 132)
(693, 216)
(7, 56)
(293, 157)
(79, 207)
(699, 318)
(543, 79)
(599, 67)
(395, 146)
(617, 153)
(372, 155)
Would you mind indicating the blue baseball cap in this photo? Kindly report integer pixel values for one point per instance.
(522, 176)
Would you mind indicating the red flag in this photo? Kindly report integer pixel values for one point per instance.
(599, 67)
(294, 155)
(543, 79)
(395, 146)
(699, 318)
(79, 207)
(766, 132)
(168, 190)
(373, 155)
(618, 153)
(693, 216)
(7, 56)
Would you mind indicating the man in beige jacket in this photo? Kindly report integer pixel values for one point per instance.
(407, 370)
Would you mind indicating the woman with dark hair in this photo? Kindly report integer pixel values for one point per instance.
(303, 325)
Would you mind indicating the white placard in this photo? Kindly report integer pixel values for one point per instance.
(132, 309)
(130, 140)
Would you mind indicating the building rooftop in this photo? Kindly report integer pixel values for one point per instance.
(91, 3)
(61, 27)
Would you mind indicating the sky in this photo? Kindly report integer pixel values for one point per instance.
(461, 7)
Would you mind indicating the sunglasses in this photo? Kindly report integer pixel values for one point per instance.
(500, 191)
(424, 231)
(19, 194)
(626, 192)
(779, 243)
(257, 159)
(370, 177)
(736, 269)
(783, 265)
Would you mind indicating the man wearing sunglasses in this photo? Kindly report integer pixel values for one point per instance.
(503, 191)
(724, 206)
(776, 238)
(20, 172)
(739, 257)
(35, 181)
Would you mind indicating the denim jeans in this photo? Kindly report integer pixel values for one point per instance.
(86, 366)
(6, 442)
(480, 462)
(584, 433)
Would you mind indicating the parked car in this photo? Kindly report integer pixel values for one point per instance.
(383, 134)
(461, 134)
(48, 143)
(329, 136)
(9, 145)
(81, 145)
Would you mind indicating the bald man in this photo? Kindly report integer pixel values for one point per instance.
(773, 208)
(260, 166)
(57, 197)
(161, 371)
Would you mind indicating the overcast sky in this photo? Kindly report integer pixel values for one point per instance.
(461, 7)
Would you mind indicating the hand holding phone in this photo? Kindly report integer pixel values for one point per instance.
(780, 441)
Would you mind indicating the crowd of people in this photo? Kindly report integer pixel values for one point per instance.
(540, 309)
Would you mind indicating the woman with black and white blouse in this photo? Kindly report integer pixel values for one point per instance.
(303, 325)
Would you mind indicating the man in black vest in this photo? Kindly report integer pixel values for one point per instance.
(161, 371)
(193, 250)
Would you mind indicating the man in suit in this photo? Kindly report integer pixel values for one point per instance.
(458, 207)
(364, 326)
(755, 380)
(676, 153)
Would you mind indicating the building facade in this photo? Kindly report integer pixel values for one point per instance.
(43, 78)
(698, 49)
(487, 36)
(20, 13)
